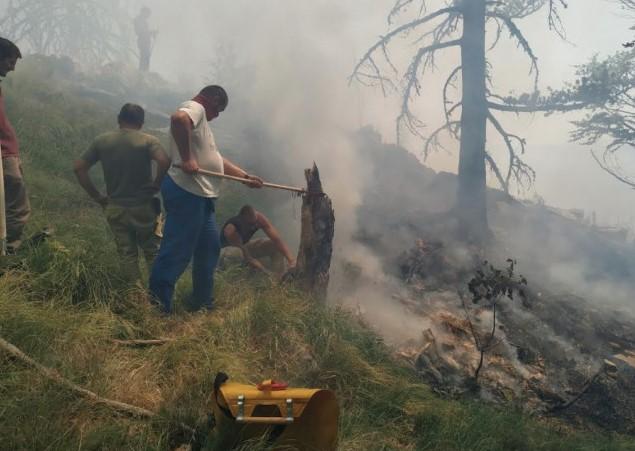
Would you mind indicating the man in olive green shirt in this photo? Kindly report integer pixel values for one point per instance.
(131, 206)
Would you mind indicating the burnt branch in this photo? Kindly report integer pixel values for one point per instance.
(432, 142)
(413, 86)
(445, 29)
(449, 83)
(499, 32)
(385, 40)
(401, 5)
(555, 21)
(520, 171)
(518, 35)
(542, 108)
(605, 165)
(494, 167)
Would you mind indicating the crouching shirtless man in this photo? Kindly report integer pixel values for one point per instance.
(236, 239)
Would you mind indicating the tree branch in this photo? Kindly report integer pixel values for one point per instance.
(555, 21)
(452, 127)
(604, 165)
(547, 108)
(449, 83)
(57, 378)
(517, 168)
(400, 5)
(494, 167)
(522, 43)
(384, 40)
(412, 84)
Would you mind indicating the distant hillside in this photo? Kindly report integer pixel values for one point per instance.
(404, 200)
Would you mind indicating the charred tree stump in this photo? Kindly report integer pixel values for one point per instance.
(316, 239)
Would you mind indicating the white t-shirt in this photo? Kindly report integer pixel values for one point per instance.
(203, 149)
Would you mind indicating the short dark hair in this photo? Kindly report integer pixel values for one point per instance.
(247, 210)
(132, 114)
(216, 92)
(8, 49)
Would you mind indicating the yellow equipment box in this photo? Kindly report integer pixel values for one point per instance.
(271, 413)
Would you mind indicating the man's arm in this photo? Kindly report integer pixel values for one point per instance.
(81, 168)
(274, 236)
(252, 181)
(181, 129)
(234, 239)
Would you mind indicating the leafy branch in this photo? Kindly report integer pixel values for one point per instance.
(487, 288)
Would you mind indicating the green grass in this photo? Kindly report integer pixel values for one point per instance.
(258, 331)
(64, 302)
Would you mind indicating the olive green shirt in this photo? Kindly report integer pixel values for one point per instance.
(126, 159)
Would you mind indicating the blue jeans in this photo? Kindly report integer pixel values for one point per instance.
(189, 234)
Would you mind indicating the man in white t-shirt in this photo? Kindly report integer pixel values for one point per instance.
(190, 232)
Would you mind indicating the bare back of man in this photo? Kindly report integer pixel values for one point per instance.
(264, 254)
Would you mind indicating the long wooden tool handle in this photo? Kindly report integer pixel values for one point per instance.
(240, 179)
(3, 214)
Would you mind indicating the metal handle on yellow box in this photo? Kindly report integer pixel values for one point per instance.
(241, 418)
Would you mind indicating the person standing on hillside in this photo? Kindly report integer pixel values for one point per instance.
(190, 232)
(131, 206)
(17, 205)
(236, 235)
(145, 38)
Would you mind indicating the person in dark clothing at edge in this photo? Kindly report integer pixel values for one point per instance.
(17, 205)
(236, 235)
(131, 206)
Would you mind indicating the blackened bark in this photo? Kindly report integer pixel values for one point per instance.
(316, 241)
(471, 201)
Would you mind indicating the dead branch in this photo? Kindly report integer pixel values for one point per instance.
(448, 84)
(384, 40)
(412, 84)
(452, 127)
(54, 376)
(604, 165)
(499, 32)
(515, 32)
(576, 398)
(400, 5)
(547, 108)
(156, 342)
(494, 167)
(555, 21)
(517, 168)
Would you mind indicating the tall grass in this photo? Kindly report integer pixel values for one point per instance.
(258, 331)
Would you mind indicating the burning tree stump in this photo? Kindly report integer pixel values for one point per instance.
(316, 239)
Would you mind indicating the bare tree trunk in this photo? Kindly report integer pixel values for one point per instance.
(316, 241)
(471, 196)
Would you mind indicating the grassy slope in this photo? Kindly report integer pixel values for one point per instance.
(62, 304)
